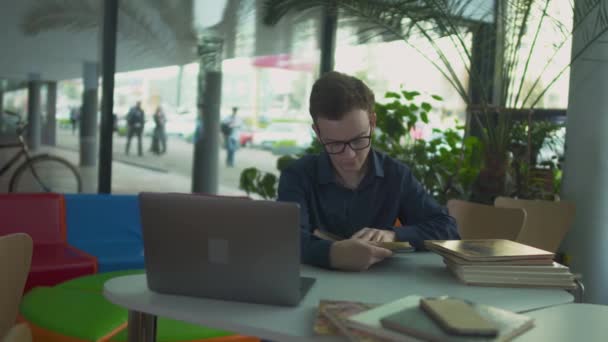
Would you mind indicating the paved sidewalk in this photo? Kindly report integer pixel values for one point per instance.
(176, 163)
(126, 179)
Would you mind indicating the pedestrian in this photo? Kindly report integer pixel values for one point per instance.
(230, 127)
(135, 127)
(159, 136)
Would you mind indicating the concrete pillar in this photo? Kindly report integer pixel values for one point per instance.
(88, 115)
(585, 179)
(206, 150)
(328, 39)
(34, 114)
(50, 127)
(108, 65)
(1, 109)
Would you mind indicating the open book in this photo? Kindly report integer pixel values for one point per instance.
(395, 247)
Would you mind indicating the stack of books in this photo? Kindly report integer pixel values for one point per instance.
(405, 320)
(497, 262)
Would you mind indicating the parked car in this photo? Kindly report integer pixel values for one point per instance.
(181, 125)
(284, 137)
(246, 136)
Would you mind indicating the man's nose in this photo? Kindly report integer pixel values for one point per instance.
(349, 152)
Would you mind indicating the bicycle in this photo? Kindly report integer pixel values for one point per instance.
(40, 172)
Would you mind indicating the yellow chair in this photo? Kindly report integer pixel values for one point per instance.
(19, 333)
(480, 221)
(547, 222)
(15, 261)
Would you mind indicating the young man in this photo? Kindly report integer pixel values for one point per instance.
(353, 191)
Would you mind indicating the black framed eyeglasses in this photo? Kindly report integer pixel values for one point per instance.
(356, 144)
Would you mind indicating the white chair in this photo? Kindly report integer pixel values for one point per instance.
(19, 333)
(547, 222)
(480, 221)
(15, 260)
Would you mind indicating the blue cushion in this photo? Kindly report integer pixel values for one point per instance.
(108, 227)
(93, 217)
(115, 255)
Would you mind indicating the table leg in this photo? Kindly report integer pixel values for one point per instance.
(142, 327)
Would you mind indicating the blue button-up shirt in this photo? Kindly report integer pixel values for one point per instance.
(387, 192)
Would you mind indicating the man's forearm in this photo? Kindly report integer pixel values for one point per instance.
(442, 227)
(315, 251)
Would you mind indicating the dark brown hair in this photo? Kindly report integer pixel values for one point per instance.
(334, 94)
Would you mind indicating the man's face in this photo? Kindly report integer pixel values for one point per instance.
(353, 128)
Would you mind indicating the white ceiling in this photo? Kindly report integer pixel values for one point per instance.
(152, 33)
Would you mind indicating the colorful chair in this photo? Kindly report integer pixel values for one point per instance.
(66, 315)
(76, 311)
(108, 227)
(42, 216)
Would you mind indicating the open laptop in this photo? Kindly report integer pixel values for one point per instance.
(223, 248)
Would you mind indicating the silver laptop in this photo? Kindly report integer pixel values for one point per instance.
(222, 248)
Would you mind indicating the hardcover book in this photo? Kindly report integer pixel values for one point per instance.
(487, 249)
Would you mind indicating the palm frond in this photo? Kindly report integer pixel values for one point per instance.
(591, 24)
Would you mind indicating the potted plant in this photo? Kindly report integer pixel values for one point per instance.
(510, 88)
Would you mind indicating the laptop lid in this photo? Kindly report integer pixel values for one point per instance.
(220, 247)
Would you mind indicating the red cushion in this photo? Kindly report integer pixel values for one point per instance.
(56, 263)
(40, 215)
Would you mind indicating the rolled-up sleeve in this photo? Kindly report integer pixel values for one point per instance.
(292, 188)
(423, 217)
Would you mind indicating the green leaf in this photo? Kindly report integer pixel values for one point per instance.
(424, 117)
(410, 95)
(392, 95)
(437, 97)
(426, 106)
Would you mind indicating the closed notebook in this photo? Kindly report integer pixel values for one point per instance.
(415, 322)
(509, 262)
(369, 321)
(516, 281)
(487, 249)
(553, 268)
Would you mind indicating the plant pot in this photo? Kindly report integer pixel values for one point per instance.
(492, 178)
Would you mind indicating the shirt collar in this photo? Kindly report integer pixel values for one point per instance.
(325, 170)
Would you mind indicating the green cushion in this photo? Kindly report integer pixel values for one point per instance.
(169, 330)
(73, 313)
(94, 283)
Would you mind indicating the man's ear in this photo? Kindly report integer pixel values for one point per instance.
(316, 129)
(372, 120)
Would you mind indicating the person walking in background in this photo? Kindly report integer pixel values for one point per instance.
(74, 118)
(159, 137)
(135, 126)
(230, 127)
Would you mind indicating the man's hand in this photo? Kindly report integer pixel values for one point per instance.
(375, 235)
(356, 255)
